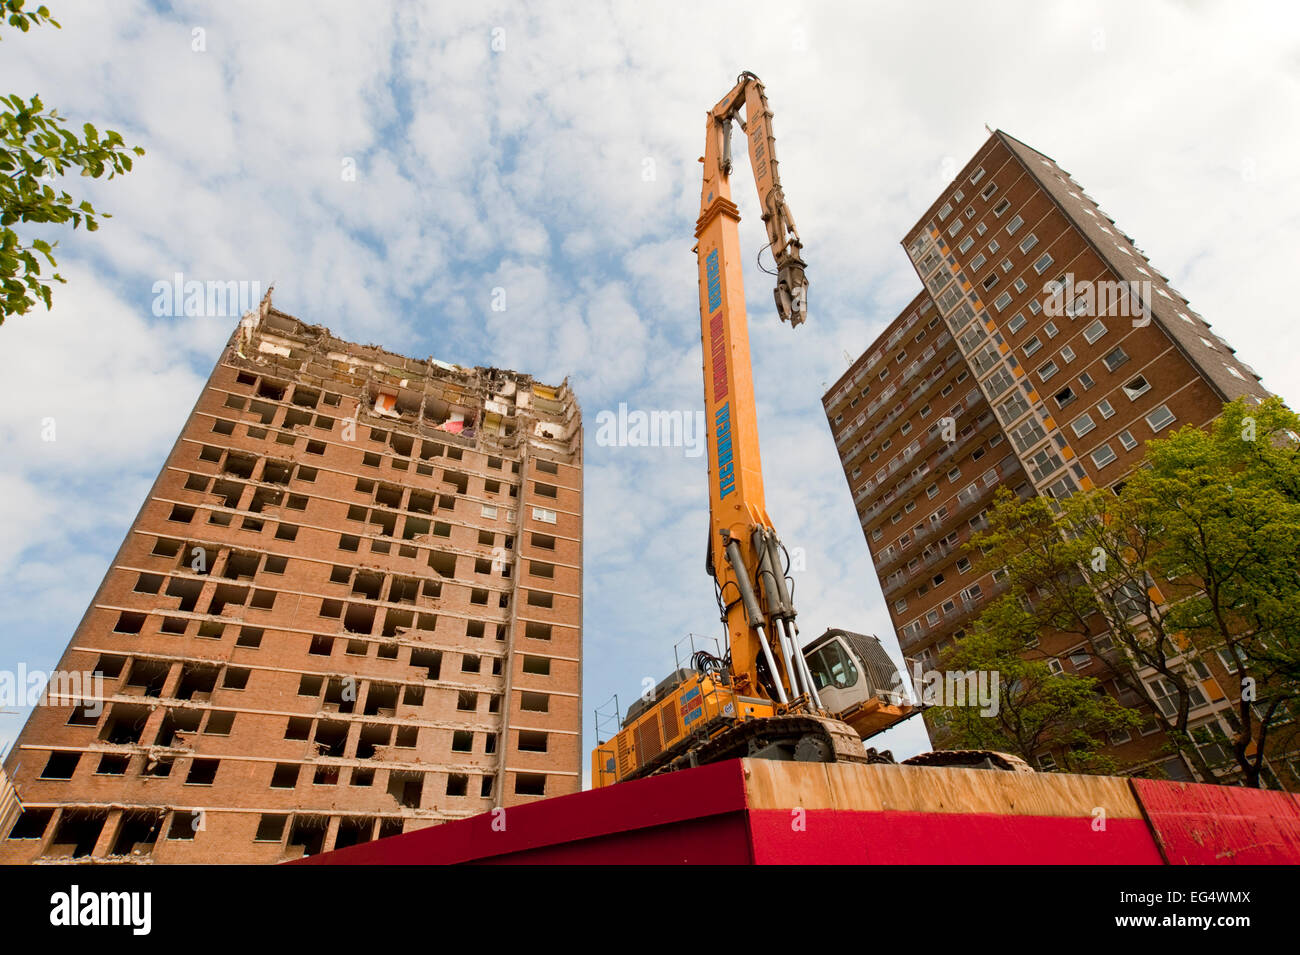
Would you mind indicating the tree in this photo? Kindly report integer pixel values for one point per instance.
(36, 147)
(1037, 710)
(1197, 551)
(1102, 598)
(1229, 501)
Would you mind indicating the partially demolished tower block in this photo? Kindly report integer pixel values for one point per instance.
(351, 606)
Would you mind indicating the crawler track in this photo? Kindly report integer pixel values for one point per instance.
(812, 739)
(971, 759)
(801, 738)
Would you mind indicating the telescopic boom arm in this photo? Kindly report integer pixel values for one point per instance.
(745, 556)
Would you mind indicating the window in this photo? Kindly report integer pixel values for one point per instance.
(989, 282)
(977, 263)
(1043, 264)
(1027, 435)
(1028, 242)
(1064, 397)
(1001, 207)
(977, 175)
(1228, 660)
(989, 191)
(945, 211)
(1104, 408)
(1116, 358)
(965, 244)
(1047, 370)
(1082, 425)
(1165, 696)
(1014, 225)
(900, 605)
(1050, 330)
(1002, 301)
(1032, 345)
(1136, 388)
(1016, 322)
(202, 772)
(998, 382)
(1012, 408)
(1043, 462)
(1086, 381)
(1127, 440)
(1103, 456)
(1160, 418)
(285, 776)
(963, 565)
(1094, 331)
(1019, 284)
(544, 515)
(1067, 355)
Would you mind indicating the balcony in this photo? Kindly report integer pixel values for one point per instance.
(965, 609)
(963, 439)
(912, 398)
(1004, 471)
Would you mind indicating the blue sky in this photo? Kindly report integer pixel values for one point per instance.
(521, 168)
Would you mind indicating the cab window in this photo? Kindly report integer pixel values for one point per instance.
(831, 666)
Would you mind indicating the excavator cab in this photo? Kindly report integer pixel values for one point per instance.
(857, 681)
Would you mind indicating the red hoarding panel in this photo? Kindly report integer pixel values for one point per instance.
(627, 807)
(1196, 824)
(846, 837)
(713, 840)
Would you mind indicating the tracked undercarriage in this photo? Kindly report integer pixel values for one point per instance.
(808, 739)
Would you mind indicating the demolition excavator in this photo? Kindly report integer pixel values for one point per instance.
(763, 697)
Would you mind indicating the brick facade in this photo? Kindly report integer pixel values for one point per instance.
(1024, 362)
(351, 606)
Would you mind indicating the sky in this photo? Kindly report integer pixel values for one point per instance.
(390, 167)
